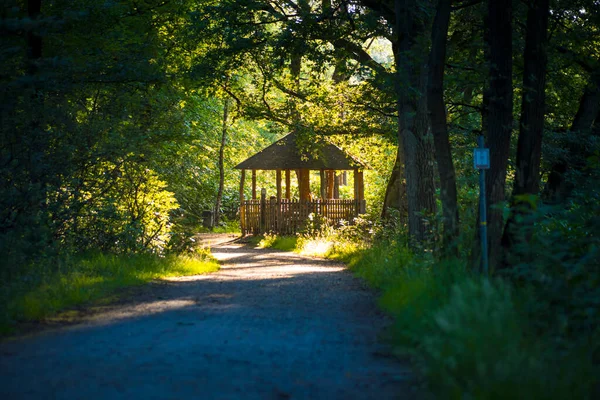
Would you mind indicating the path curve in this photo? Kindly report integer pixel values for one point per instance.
(268, 325)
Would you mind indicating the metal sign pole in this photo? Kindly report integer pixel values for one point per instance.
(482, 163)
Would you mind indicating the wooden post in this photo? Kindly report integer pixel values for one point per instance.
(278, 178)
(242, 208)
(330, 183)
(356, 200)
(304, 181)
(356, 184)
(263, 209)
(361, 190)
(253, 184)
(278, 204)
(336, 187)
(288, 183)
(323, 184)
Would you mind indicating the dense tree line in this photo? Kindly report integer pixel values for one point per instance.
(500, 61)
(106, 143)
(100, 99)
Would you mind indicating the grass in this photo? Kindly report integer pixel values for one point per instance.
(285, 243)
(471, 337)
(36, 295)
(225, 227)
(317, 247)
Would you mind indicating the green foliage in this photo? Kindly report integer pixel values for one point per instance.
(82, 128)
(472, 337)
(478, 345)
(132, 215)
(285, 243)
(557, 258)
(232, 226)
(39, 293)
(191, 167)
(103, 146)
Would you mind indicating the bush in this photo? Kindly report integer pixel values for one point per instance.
(473, 337)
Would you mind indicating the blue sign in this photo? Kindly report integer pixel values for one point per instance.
(482, 158)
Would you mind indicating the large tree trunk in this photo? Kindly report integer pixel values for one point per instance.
(395, 193)
(221, 162)
(411, 86)
(437, 115)
(37, 147)
(557, 188)
(531, 127)
(498, 119)
(34, 40)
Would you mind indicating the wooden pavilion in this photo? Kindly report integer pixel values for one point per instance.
(283, 215)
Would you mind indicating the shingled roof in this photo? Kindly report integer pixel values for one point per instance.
(284, 154)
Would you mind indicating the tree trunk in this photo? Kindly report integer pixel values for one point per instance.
(437, 115)
(531, 127)
(498, 118)
(557, 188)
(395, 192)
(34, 40)
(36, 149)
(221, 162)
(411, 85)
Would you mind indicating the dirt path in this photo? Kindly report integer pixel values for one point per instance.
(269, 325)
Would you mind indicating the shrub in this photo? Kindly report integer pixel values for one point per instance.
(473, 337)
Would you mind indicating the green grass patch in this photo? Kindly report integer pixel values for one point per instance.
(225, 227)
(285, 243)
(344, 251)
(37, 294)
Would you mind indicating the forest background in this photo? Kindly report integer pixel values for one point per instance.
(121, 122)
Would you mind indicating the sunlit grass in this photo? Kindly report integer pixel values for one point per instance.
(232, 227)
(88, 278)
(317, 247)
(285, 243)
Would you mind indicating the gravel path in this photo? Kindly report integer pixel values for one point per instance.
(269, 325)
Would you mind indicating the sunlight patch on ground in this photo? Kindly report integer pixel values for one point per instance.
(276, 271)
(189, 278)
(317, 247)
(228, 256)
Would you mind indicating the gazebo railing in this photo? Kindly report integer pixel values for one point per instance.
(286, 217)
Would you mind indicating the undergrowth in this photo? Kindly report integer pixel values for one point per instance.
(224, 227)
(39, 291)
(472, 337)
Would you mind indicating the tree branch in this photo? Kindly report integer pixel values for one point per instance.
(360, 55)
(466, 5)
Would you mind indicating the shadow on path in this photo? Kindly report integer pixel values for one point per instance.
(269, 325)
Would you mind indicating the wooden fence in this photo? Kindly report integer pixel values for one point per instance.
(286, 217)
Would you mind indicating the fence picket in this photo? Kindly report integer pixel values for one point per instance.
(286, 217)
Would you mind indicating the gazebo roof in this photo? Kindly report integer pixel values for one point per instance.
(284, 154)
